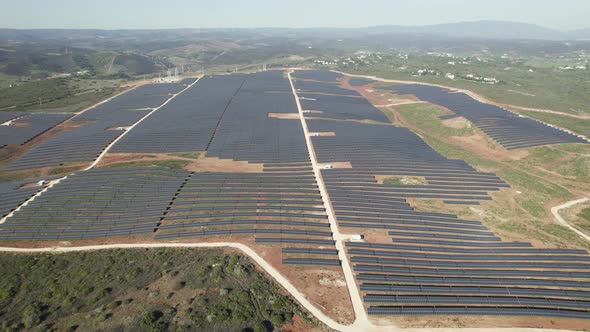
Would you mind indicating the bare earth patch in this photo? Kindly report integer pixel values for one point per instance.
(116, 158)
(291, 116)
(481, 145)
(457, 123)
(214, 164)
(337, 164)
(20, 124)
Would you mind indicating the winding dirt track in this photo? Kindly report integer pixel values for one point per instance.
(555, 211)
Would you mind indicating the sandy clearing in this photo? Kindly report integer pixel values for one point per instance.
(214, 164)
(457, 123)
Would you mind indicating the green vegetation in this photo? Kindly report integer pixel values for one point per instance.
(570, 161)
(407, 180)
(579, 126)
(58, 94)
(536, 84)
(17, 176)
(580, 220)
(134, 64)
(428, 116)
(63, 169)
(139, 290)
(171, 163)
(190, 155)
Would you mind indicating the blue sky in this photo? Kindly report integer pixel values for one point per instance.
(115, 14)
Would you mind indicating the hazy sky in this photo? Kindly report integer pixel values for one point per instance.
(115, 14)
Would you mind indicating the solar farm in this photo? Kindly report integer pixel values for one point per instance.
(298, 166)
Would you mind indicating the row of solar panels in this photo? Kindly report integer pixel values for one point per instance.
(460, 257)
(471, 272)
(241, 231)
(517, 250)
(242, 222)
(426, 280)
(488, 311)
(480, 300)
(474, 290)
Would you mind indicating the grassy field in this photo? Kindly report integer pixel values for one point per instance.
(412, 180)
(139, 290)
(428, 117)
(579, 126)
(544, 177)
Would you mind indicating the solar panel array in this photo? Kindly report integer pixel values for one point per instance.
(436, 263)
(320, 93)
(247, 132)
(279, 206)
(14, 193)
(412, 279)
(506, 128)
(99, 127)
(186, 123)
(273, 207)
(340, 107)
(29, 126)
(317, 75)
(97, 203)
(388, 151)
(330, 88)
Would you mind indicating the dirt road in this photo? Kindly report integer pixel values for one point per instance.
(555, 211)
(361, 322)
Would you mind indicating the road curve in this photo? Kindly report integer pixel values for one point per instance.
(274, 273)
(555, 211)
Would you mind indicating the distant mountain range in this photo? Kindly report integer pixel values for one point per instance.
(473, 30)
(487, 29)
